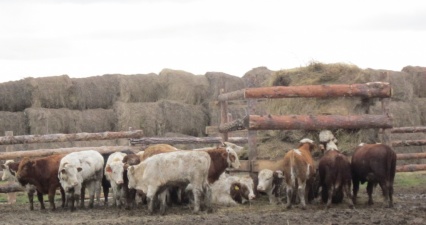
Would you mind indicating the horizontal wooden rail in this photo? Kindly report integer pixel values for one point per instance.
(408, 130)
(47, 152)
(368, 90)
(185, 140)
(408, 143)
(309, 122)
(403, 156)
(11, 187)
(411, 168)
(48, 138)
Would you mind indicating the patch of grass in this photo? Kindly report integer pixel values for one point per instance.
(410, 179)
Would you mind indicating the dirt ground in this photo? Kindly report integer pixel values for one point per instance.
(410, 208)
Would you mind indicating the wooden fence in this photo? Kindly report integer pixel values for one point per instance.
(252, 123)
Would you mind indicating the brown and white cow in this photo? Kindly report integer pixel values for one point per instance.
(299, 170)
(334, 174)
(374, 164)
(9, 173)
(222, 158)
(179, 168)
(80, 170)
(270, 182)
(230, 190)
(42, 173)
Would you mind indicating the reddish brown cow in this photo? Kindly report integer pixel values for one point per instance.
(43, 174)
(335, 174)
(374, 164)
(299, 171)
(221, 158)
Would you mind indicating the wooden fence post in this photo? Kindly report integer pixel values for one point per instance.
(11, 197)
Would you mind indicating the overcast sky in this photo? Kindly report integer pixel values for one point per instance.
(84, 38)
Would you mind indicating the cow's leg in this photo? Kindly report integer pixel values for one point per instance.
(370, 187)
(208, 197)
(349, 199)
(106, 193)
(40, 199)
(163, 201)
(71, 198)
(91, 187)
(355, 189)
(150, 198)
(330, 192)
(385, 186)
(82, 192)
(114, 194)
(51, 196)
(289, 191)
(390, 188)
(301, 190)
(196, 190)
(62, 196)
(30, 194)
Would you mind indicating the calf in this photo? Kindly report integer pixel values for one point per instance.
(374, 164)
(270, 182)
(114, 170)
(41, 173)
(180, 168)
(222, 158)
(334, 174)
(9, 173)
(299, 170)
(78, 170)
(231, 190)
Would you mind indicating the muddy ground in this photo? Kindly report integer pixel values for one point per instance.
(410, 208)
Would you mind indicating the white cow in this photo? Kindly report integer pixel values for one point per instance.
(79, 170)
(180, 168)
(231, 190)
(270, 182)
(114, 170)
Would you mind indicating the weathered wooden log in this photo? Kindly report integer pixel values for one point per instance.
(47, 152)
(408, 130)
(408, 143)
(185, 140)
(11, 187)
(410, 168)
(368, 90)
(403, 156)
(27, 139)
(308, 122)
(265, 164)
(237, 124)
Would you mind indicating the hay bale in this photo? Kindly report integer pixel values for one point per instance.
(16, 96)
(258, 76)
(158, 118)
(52, 121)
(94, 92)
(50, 92)
(185, 87)
(421, 104)
(419, 74)
(13, 121)
(219, 80)
(140, 88)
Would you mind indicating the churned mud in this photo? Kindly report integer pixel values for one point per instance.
(410, 208)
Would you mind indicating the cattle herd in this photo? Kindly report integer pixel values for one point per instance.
(162, 176)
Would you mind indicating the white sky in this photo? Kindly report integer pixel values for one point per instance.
(84, 38)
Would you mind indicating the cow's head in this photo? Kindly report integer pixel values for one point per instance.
(114, 172)
(69, 177)
(131, 177)
(8, 172)
(232, 158)
(25, 170)
(310, 144)
(239, 192)
(248, 181)
(268, 179)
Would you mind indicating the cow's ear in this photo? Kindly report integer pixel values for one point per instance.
(63, 171)
(79, 169)
(108, 169)
(279, 174)
(131, 169)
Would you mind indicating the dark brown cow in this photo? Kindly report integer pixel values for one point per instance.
(334, 173)
(374, 164)
(43, 174)
(299, 171)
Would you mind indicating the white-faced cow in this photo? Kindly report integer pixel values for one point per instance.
(374, 164)
(114, 171)
(299, 170)
(80, 170)
(231, 190)
(270, 182)
(42, 173)
(179, 168)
